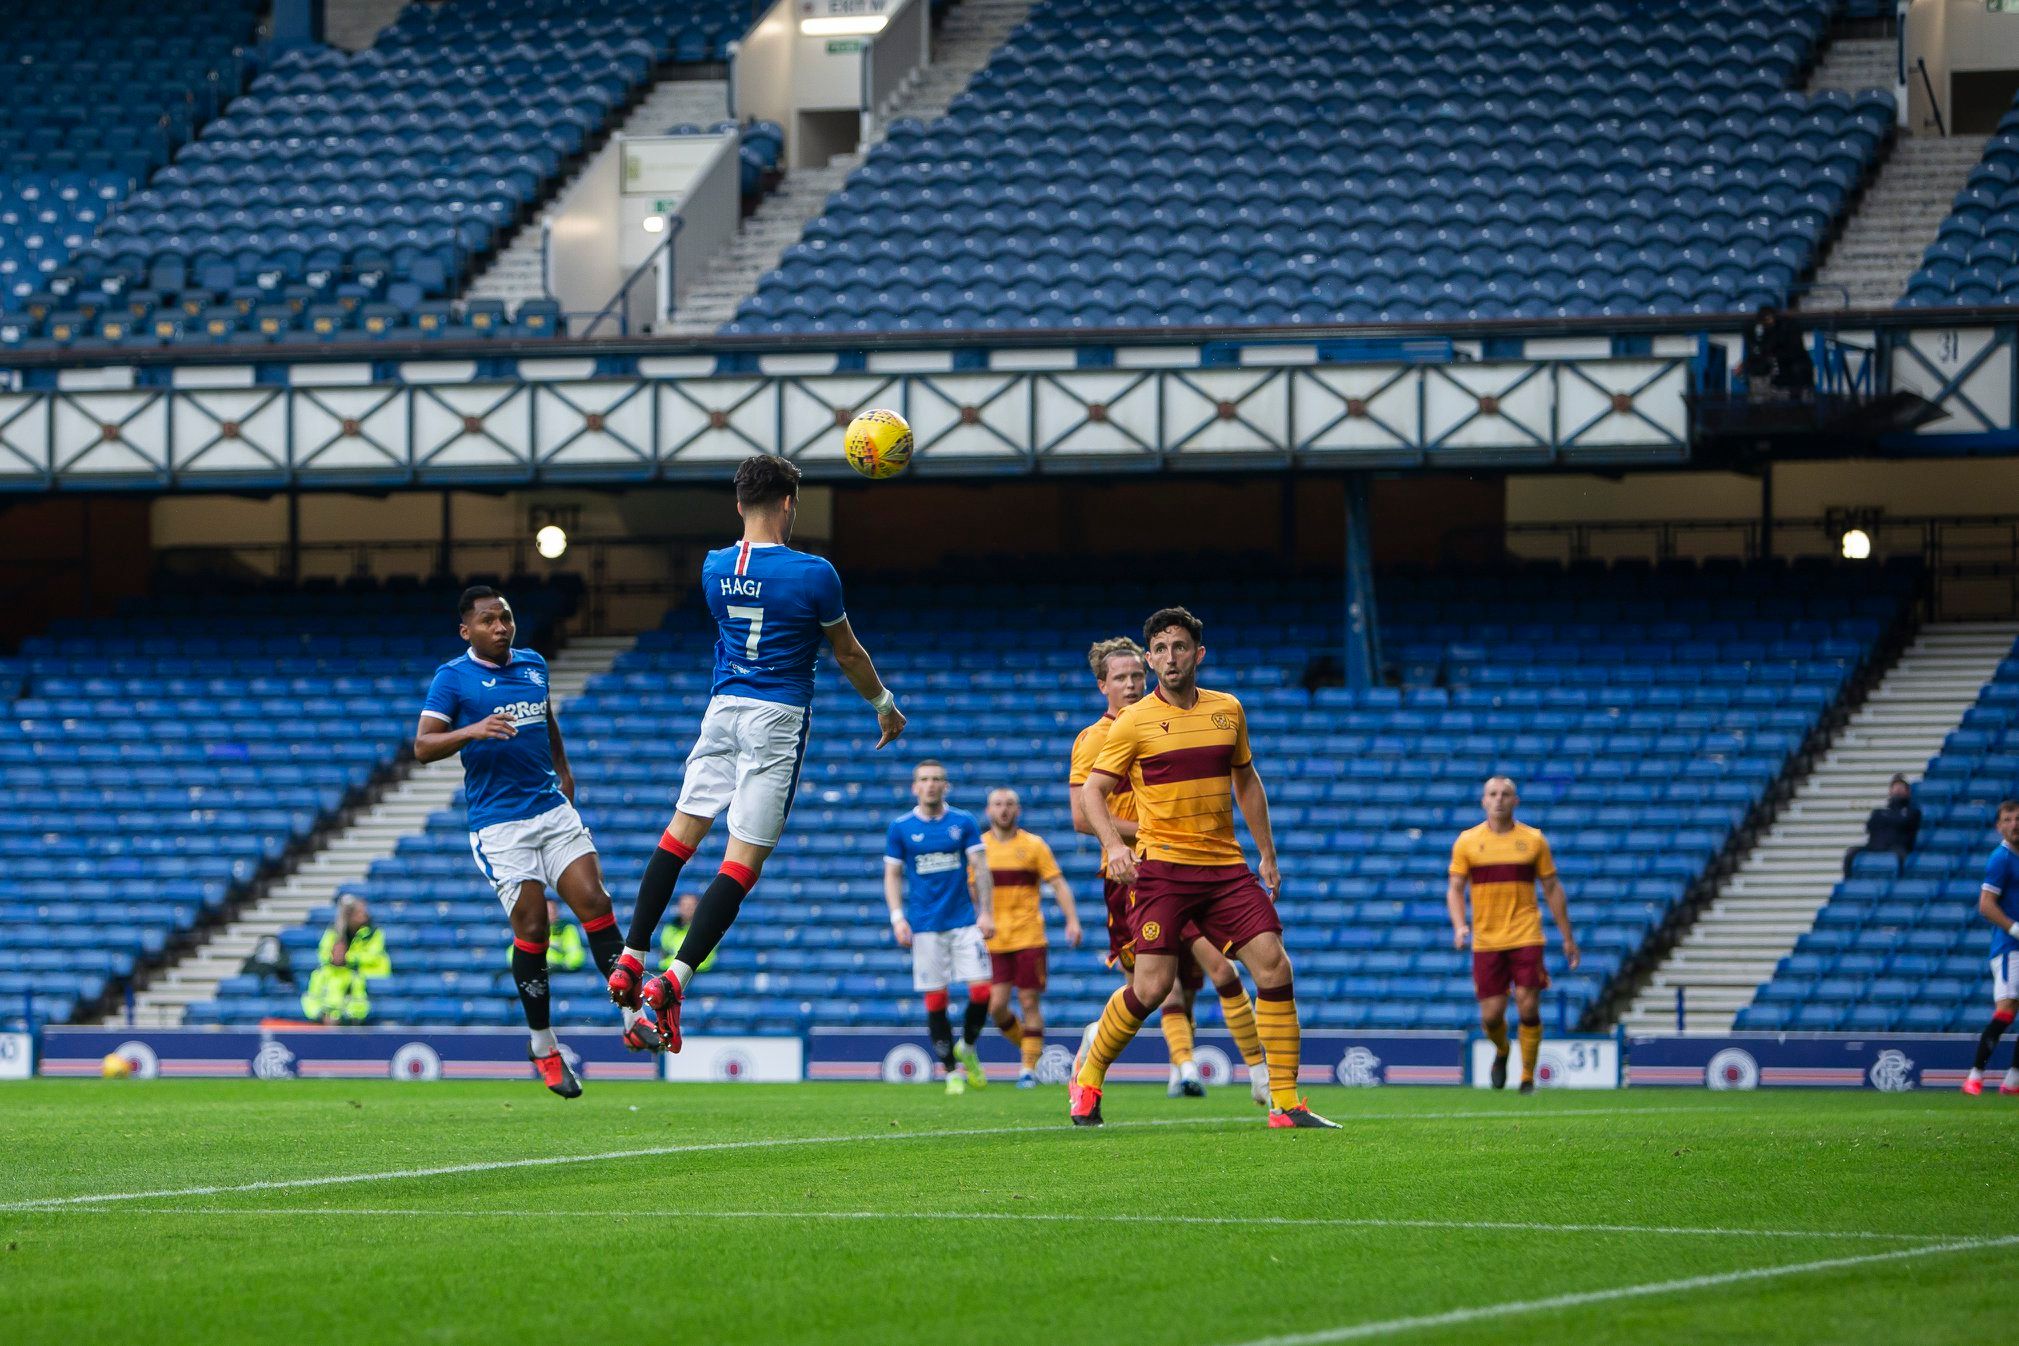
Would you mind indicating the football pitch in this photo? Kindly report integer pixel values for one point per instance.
(225, 1211)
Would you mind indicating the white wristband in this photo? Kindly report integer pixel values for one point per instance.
(885, 702)
(2013, 929)
(895, 917)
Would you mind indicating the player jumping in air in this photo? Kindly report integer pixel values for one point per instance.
(773, 607)
(1183, 750)
(492, 705)
(926, 857)
(1503, 860)
(1998, 903)
(1119, 672)
(1018, 862)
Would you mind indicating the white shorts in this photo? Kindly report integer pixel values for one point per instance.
(940, 958)
(746, 760)
(2004, 984)
(533, 850)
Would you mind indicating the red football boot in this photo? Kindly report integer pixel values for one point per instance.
(1083, 1104)
(641, 1036)
(1973, 1087)
(1300, 1117)
(625, 978)
(557, 1074)
(661, 997)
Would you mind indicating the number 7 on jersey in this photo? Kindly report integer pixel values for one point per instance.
(755, 616)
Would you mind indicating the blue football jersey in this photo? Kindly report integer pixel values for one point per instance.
(504, 779)
(2001, 879)
(771, 605)
(934, 853)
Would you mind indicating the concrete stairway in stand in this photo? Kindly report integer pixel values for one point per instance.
(1872, 260)
(515, 274)
(353, 25)
(345, 857)
(1772, 899)
(1855, 64)
(967, 37)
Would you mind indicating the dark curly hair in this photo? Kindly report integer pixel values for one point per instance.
(1163, 619)
(765, 479)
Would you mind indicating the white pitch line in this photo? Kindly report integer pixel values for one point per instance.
(1048, 1217)
(1459, 1317)
(707, 1147)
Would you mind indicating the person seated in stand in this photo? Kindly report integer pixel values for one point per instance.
(352, 951)
(1777, 364)
(1892, 829)
(269, 962)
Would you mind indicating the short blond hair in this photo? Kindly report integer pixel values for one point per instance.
(1103, 650)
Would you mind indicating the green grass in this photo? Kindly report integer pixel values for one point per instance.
(745, 1244)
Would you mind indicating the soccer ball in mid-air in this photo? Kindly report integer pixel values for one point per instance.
(878, 444)
(115, 1066)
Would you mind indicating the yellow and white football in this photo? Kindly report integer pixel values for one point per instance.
(878, 444)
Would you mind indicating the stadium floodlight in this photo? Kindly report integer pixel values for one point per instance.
(655, 224)
(551, 542)
(1857, 544)
(845, 25)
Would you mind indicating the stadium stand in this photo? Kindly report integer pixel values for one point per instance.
(162, 761)
(1645, 712)
(1901, 947)
(1975, 256)
(345, 196)
(1116, 165)
(96, 98)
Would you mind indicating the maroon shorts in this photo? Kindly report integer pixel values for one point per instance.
(1122, 944)
(1021, 968)
(1223, 904)
(1497, 969)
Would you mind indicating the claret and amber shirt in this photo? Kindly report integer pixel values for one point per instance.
(1503, 869)
(1018, 865)
(1179, 766)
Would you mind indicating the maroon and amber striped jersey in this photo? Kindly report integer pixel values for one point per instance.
(1503, 868)
(1179, 765)
(1018, 865)
(1087, 751)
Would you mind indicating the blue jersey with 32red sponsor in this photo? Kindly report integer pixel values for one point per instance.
(2001, 880)
(771, 606)
(934, 853)
(504, 779)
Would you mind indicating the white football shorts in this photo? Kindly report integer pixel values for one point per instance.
(2005, 976)
(943, 958)
(746, 759)
(538, 849)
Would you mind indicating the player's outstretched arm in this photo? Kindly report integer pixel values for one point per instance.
(1559, 911)
(434, 740)
(1254, 804)
(1454, 901)
(860, 670)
